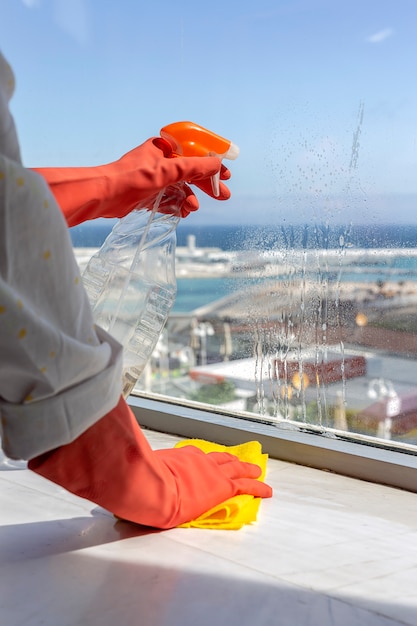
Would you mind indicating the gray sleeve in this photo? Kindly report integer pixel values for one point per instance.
(58, 372)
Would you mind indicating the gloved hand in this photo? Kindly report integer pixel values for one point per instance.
(132, 182)
(113, 465)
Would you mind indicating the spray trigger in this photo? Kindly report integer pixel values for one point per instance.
(189, 139)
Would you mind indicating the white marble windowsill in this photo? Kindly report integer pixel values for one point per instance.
(326, 550)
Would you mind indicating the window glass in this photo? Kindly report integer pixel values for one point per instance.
(296, 298)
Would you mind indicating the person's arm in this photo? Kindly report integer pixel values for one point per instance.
(113, 465)
(132, 182)
(62, 374)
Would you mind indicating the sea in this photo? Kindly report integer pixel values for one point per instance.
(398, 243)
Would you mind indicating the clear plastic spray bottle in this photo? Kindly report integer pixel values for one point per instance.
(130, 281)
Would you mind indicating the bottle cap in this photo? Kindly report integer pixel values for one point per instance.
(190, 139)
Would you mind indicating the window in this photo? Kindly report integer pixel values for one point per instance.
(297, 299)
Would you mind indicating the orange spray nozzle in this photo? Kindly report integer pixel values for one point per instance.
(190, 139)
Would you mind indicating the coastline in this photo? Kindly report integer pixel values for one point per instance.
(392, 264)
(248, 284)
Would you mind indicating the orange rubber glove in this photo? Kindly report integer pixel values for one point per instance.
(132, 182)
(113, 465)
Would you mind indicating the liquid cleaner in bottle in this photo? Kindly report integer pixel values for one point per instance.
(130, 281)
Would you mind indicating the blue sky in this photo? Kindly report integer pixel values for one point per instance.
(320, 95)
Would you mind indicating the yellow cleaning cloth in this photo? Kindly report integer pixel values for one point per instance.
(239, 510)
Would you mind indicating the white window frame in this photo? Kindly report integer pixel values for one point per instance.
(356, 456)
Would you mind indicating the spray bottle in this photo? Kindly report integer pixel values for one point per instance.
(130, 281)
